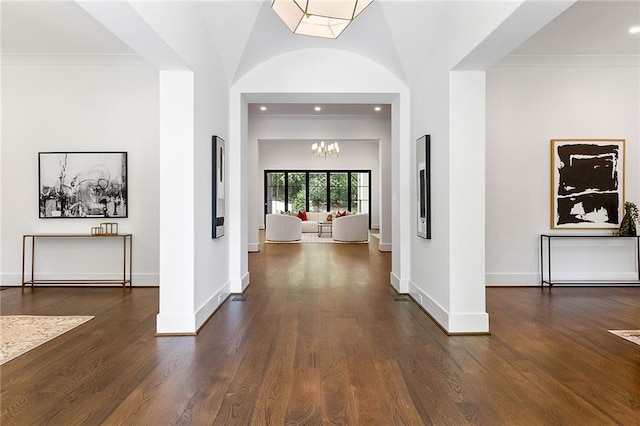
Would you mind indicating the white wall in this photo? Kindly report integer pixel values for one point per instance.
(69, 107)
(447, 271)
(296, 155)
(311, 76)
(194, 274)
(284, 143)
(526, 108)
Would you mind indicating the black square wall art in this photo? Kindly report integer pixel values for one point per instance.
(587, 183)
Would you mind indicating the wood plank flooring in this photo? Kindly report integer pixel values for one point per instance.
(322, 339)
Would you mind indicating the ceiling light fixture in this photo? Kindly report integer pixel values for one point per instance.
(634, 30)
(322, 150)
(263, 108)
(317, 108)
(318, 18)
(378, 108)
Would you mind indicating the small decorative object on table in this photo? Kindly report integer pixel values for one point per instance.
(107, 228)
(631, 216)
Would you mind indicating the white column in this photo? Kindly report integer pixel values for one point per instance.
(238, 194)
(467, 309)
(177, 311)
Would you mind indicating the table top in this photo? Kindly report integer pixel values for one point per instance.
(76, 235)
(325, 223)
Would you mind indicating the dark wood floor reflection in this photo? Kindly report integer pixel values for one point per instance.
(323, 339)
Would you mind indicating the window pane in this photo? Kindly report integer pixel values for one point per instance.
(318, 192)
(297, 198)
(360, 192)
(338, 194)
(275, 192)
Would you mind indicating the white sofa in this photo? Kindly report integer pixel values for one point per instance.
(353, 228)
(282, 227)
(311, 224)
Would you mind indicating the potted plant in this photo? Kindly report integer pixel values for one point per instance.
(631, 216)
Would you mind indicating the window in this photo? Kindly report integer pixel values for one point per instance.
(296, 191)
(317, 190)
(339, 191)
(360, 191)
(274, 186)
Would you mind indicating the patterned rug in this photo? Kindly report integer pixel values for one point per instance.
(630, 335)
(21, 333)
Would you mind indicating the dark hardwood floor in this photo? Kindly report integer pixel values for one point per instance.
(323, 339)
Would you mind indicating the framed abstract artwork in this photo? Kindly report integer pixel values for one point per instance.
(217, 187)
(423, 175)
(587, 183)
(74, 185)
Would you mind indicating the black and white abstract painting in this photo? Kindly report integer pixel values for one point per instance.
(217, 216)
(423, 174)
(587, 183)
(82, 184)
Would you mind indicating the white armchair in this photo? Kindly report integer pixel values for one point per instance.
(354, 228)
(282, 227)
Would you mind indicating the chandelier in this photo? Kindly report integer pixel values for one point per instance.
(319, 18)
(322, 150)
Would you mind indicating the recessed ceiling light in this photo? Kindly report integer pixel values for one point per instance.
(634, 30)
(377, 108)
(263, 108)
(318, 108)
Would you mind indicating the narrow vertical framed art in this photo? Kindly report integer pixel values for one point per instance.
(587, 183)
(423, 175)
(217, 187)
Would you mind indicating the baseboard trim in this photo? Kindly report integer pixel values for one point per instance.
(471, 324)
(394, 280)
(139, 279)
(206, 311)
(175, 325)
(239, 286)
(384, 247)
(533, 279)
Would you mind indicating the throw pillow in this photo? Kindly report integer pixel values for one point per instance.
(340, 214)
(302, 215)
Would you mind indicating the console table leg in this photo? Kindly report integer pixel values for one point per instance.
(33, 258)
(23, 253)
(549, 264)
(124, 262)
(130, 261)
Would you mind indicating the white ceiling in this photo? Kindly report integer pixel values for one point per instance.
(246, 33)
(54, 27)
(357, 110)
(589, 28)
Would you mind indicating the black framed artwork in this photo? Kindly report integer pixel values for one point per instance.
(587, 183)
(217, 187)
(423, 175)
(76, 185)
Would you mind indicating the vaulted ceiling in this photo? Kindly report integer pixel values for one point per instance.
(245, 33)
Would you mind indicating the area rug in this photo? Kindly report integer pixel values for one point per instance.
(630, 335)
(21, 333)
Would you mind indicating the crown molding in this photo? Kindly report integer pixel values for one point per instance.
(71, 59)
(569, 61)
